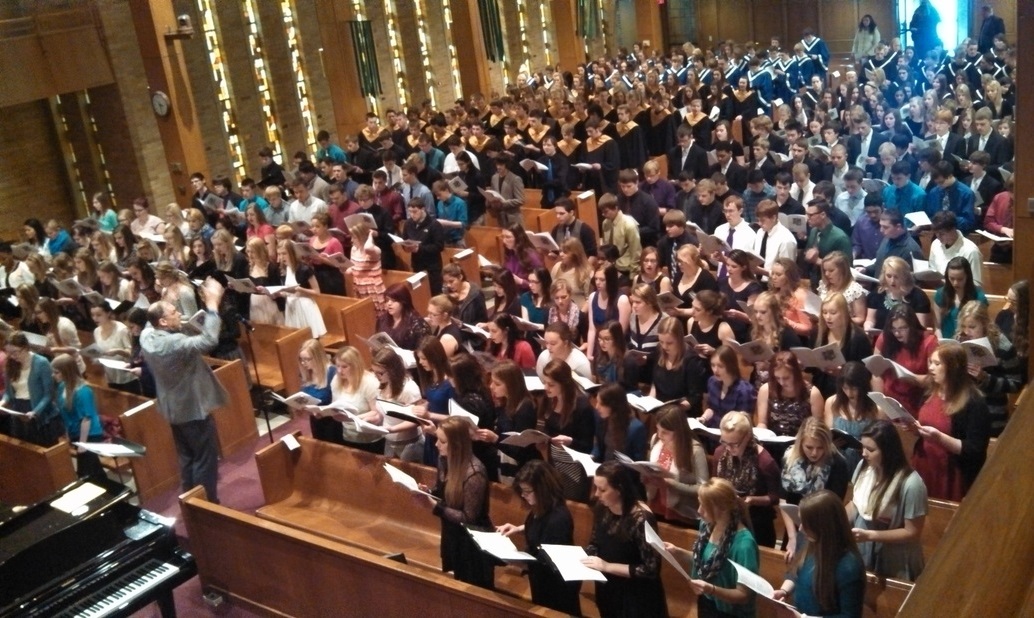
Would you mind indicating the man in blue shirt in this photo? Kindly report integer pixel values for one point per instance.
(851, 201)
(452, 213)
(866, 236)
(902, 194)
(949, 194)
(896, 242)
(328, 150)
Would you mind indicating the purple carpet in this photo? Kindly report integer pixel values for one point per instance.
(239, 489)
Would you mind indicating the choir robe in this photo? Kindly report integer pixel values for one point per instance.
(605, 152)
(632, 145)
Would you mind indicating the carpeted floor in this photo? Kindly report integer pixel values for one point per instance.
(239, 489)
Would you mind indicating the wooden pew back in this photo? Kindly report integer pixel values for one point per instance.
(158, 470)
(345, 318)
(421, 293)
(273, 350)
(305, 575)
(30, 473)
(469, 263)
(327, 488)
(997, 278)
(487, 242)
(234, 422)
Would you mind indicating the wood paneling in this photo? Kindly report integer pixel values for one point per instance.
(746, 20)
(1006, 9)
(31, 184)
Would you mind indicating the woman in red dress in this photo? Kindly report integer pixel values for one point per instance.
(954, 427)
(907, 343)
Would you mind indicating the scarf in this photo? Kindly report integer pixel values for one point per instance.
(709, 569)
(742, 472)
(804, 478)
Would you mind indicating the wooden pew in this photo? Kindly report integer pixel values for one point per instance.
(538, 219)
(346, 317)
(303, 574)
(487, 242)
(939, 515)
(30, 473)
(421, 293)
(273, 351)
(234, 422)
(997, 278)
(532, 199)
(468, 263)
(158, 470)
(327, 489)
(586, 208)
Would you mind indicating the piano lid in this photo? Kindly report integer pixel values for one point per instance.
(42, 520)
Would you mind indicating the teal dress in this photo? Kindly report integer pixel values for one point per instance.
(949, 318)
(538, 315)
(743, 551)
(850, 588)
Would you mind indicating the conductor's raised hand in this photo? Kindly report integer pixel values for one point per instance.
(212, 293)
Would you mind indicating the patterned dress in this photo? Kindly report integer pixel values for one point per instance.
(366, 274)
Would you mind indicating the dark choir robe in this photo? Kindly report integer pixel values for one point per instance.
(478, 148)
(631, 144)
(439, 137)
(553, 181)
(494, 126)
(744, 104)
(702, 128)
(571, 151)
(604, 151)
(660, 133)
(368, 139)
(533, 139)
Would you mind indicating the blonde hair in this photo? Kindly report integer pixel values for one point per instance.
(258, 249)
(355, 365)
(900, 268)
(975, 310)
(737, 423)
(442, 303)
(719, 495)
(690, 254)
(319, 364)
(815, 429)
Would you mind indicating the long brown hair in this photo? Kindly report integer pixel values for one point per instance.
(544, 481)
(673, 418)
(614, 397)
(512, 378)
(65, 365)
(824, 518)
(459, 456)
(560, 372)
(958, 387)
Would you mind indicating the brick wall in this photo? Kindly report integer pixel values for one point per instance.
(438, 37)
(282, 79)
(32, 183)
(319, 91)
(378, 23)
(125, 121)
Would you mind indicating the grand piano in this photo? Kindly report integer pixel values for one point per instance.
(86, 551)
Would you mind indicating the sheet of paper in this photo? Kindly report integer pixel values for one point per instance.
(105, 449)
(528, 437)
(405, 480)
(584, 459)
(455, 409)
(755, 582)
(78, 497)
(568, 561)
(498, 545)
(657, 543)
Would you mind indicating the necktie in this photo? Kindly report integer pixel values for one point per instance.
(983, 143)
(549, 180)
(722, 274)
(764, 245)
(567, 232)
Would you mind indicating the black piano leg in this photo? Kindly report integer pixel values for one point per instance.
(166, 605)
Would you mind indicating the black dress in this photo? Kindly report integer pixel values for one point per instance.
(622, 540)
(512, 458)
(548, 589)
(459, 553)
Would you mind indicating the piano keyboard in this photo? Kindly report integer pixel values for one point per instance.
(123, 591)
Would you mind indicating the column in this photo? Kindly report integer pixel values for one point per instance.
(470, 48)
(570, 47)
(648, 24)
(165, 70)
(339, 65)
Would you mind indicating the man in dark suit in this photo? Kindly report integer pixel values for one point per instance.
(985, 186)
(948, 142)
(799, 154)
(986, 139)
(865, 143)
(687, 157)
(735, 174)
(991, 26)
(761, 128)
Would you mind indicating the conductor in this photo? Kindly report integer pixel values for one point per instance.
(187, 388)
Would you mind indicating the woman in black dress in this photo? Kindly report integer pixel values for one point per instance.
(619, 550)
(468, 382)
(514, 413)
(462, 489)
(549, 521)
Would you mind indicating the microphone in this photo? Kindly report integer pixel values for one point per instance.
(246, 322)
